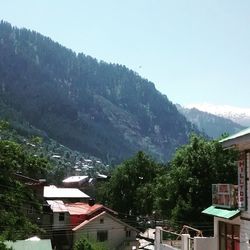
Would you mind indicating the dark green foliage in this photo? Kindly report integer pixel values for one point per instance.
(102, 109)
(82, 244)
(186, 190)
(15, 196)
(179, 192)
(85, 244)
(131, 188)
(39, 145)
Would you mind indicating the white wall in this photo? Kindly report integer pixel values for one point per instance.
(203, 243)
(116, 231)
(61, 224)
(161, 246)
(244, 235)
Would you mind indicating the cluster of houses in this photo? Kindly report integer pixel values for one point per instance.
(70, 214)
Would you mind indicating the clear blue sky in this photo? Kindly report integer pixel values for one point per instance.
(193, 50)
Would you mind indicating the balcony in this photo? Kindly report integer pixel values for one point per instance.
(225, 196)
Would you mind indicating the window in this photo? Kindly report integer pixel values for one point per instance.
(102, 236)
(128, 233)
(101, 221)
(61, 216)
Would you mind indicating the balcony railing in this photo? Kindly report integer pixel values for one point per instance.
(225, 195)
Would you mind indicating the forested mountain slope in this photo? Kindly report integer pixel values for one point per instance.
(102, 109)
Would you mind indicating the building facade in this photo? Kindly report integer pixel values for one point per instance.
(231, 204)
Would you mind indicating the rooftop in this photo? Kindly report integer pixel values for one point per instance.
(75, 178)
(78, 208)
(57, 206)
(54, 192)
(237, 135)
(240, 140)
(29, 244)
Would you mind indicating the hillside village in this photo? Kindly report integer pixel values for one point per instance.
(94, 157)
(70, 213)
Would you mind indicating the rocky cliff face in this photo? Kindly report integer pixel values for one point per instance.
(103, 109)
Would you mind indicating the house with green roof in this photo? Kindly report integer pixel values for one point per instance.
(37, 244)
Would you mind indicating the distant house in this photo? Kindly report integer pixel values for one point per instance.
(102, 177)
(107, 229)
(56, 156)
(64, 194)
(76, 181)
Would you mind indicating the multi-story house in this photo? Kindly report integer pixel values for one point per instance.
(231, 204)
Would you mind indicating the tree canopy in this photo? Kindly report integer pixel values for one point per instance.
(85, 244)
(177, 192)
(186, 190)
(15, 194)
(130, 189)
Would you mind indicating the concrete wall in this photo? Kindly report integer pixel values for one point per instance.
(244, 234)
(245, 215)
(166, 247)
(159, 245)
(203, 243)
(116, 231)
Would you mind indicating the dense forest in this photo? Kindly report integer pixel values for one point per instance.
(102, 109)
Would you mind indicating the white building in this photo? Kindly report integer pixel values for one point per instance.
(107, 229)
(75, 181)
(61, 217)
(231, 214)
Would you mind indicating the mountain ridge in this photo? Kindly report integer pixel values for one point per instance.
(236, 114)
(103, 109)
(214, 126)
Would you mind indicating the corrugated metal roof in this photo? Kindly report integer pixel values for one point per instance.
(237, 135)
(77, 178)
(29, 245)
(219, 212)
(54, 192)
(80, 208)
(57, 206)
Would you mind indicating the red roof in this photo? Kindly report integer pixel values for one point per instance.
(81, 208)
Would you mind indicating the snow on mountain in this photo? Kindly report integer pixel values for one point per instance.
(236, 114)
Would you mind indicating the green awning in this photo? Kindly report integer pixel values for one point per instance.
(220, 212)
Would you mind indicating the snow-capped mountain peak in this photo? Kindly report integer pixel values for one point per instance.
(236, 114)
